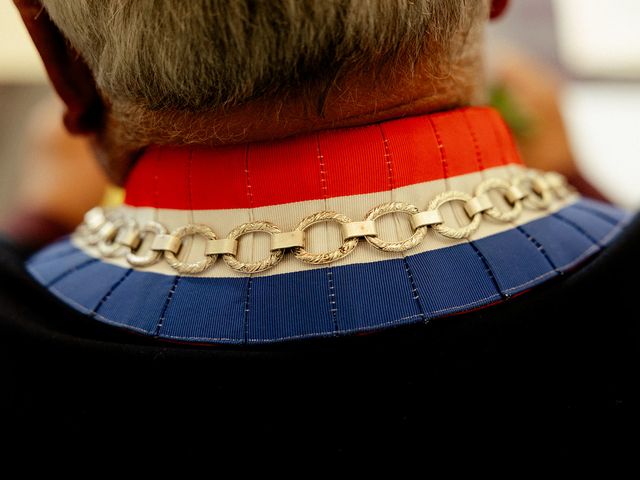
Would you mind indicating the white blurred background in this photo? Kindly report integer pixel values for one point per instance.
(594, 46)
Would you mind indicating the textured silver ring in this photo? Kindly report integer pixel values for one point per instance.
(324, 257)
(451, 232)
(401, 245)
(140, 259)
(500, 185)
(258, 266)
(195, 267)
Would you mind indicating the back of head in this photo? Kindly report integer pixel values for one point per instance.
(207, 54)
(163, 66)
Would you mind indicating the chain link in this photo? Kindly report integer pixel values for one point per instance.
(512, 196)
(274, 257)
(139, 258)
(115, 235)
(171, 251)
(325, 257)
(403, 245)
(453, 232)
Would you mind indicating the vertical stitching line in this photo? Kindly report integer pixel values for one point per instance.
(539, 246)
(190, 186)
(443, 154)
(106, 296)
(479, 254)
(577, 228)
(156, 187)
(489, 270)
(189, 182)
(249, 279)
(503, 159)
(188, 177)
(474, 139)
(165, 307)
(333, 305)
(71, 270)
(246, 310)
(246, 171)
(414, 288)
(602, 216)
(510, 138)
(171, 291)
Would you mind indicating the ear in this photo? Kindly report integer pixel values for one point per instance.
(498, 7)
(68, 73)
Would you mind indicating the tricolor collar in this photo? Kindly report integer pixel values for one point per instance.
(349, 171)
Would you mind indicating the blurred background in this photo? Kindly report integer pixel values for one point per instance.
(564, 73)
(586, 53)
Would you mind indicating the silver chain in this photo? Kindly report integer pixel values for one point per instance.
(116, 235)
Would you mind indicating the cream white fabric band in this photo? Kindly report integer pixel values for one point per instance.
(116, 235)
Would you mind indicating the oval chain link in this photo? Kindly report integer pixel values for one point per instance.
(324, 257)
(194, 267)
(252, 267)
(454, 232)
(536, 188)
(504, 187)
(402, 245)
(107, 245)
(137, 258)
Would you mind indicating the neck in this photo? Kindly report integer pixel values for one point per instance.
(354, 102)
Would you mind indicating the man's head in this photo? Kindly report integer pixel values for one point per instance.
(221, 71)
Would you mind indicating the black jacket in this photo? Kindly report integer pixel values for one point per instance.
(570, 345)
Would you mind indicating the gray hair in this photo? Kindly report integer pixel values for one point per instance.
(196, 55)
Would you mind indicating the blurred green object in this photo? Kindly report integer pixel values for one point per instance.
(520, 123)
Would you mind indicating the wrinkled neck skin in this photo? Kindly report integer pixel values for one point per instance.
(353, 102)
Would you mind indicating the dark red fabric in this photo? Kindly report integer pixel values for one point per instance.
(498, 7)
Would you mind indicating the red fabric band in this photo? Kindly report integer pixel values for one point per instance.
(330, 163)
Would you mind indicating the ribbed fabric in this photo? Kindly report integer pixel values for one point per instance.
(348, 170)
(331, 163)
